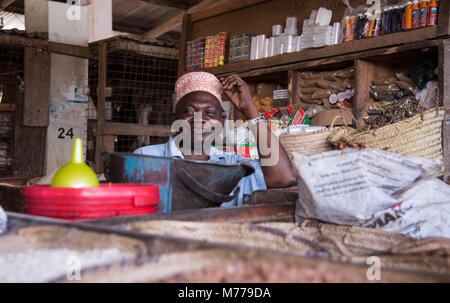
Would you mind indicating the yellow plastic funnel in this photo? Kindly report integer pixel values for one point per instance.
(75, 174)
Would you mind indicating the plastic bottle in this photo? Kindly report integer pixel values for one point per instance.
(390, 26)
(398, 18)
(367, 20)
(423, 13)
(408, 14)
(385, 21)
(377, 30)
(393, 15)
(403, 15)
(432, 13)
(415, 14)
(360, 27)
(352, 27)
(346, 29)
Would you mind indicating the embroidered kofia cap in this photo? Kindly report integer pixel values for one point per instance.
(198, 81)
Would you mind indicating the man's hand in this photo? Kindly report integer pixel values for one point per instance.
(239, 93)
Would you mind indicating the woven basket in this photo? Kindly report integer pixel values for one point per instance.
(420, 135)
(308, 143)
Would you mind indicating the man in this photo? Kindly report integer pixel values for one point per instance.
(199, 94)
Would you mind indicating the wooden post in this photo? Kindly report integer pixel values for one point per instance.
(444, 18)
(293, 87)
(102, 68)
(37, 82)
(444, 88)
(186, 36)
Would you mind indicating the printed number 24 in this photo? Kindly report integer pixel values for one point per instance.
(69, 133)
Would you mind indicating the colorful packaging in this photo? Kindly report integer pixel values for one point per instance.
(195, 52)
(408, 15)
(215, 50)
(432, 13)
(352, 28)
(247, 150)
(346, 30)
(423, 13)
(377, 28)
(415, 14)
(298, 117)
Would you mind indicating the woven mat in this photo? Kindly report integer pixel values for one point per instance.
(56, 237)
(315, 239)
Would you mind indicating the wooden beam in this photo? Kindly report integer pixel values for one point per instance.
(444, 18)
(5, 3)
(224, 8)
(168, 3)
(52, 47)
(155, 51)
(102, 69)
(177, 21)
(113, 128)
(7, 107)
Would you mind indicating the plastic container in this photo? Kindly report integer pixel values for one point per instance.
(277, 30)
(76, 173)
(408, 15)
(432, 13)
(423, 13)
(108, 200)
(415, 14)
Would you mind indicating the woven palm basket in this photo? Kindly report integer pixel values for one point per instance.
(308, 143)
(420, 135)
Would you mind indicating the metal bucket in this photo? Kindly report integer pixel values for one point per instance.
(183, 184)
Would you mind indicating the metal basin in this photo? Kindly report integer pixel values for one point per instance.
(184, 184)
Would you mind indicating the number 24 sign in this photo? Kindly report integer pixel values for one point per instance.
(62, 134)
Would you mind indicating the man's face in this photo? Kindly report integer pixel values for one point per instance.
(205, 104)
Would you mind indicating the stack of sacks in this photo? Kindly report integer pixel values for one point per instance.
(332, 89)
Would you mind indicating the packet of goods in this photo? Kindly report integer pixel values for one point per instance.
(271, 113)
(3, 221)
(299, 117)
(374, 188)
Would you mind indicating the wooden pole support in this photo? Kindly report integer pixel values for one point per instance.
(102, 68)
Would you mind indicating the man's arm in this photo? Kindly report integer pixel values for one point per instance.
(275, 162)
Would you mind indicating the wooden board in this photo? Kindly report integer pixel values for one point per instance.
(29, 144)
(342, 60)
(225, 8)
(444, 87)
(7, 107)
(37, 83)
(281, 212)
(444, 18)
(53, 47)
(113, 128)
(154, 51)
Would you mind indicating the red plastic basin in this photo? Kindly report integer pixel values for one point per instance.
(108, 200)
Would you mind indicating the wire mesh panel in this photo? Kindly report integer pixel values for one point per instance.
(139, 90)
(11, 88)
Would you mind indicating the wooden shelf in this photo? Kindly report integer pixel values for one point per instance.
(397, 42)
(371, 57)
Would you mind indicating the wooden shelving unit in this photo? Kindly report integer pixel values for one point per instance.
(371, 57)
